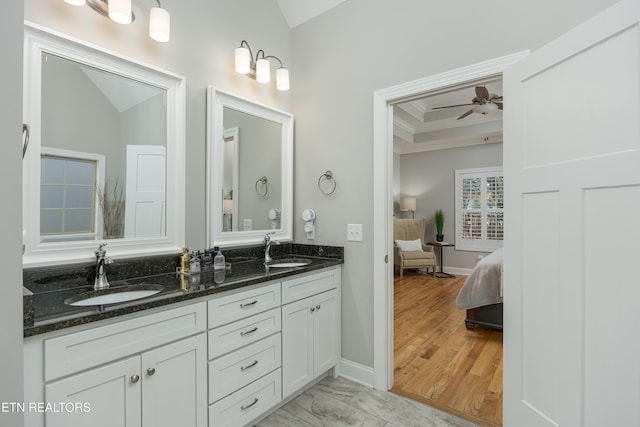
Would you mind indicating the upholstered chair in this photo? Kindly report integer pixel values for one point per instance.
(409, 249)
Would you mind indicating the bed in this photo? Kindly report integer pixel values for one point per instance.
(481, 294)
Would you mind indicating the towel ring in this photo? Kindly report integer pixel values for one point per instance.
(327, 177)
(262, 190)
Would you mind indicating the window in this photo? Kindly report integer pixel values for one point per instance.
(68, 202)
(479, 209)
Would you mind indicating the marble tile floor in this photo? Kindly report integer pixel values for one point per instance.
(338, 402)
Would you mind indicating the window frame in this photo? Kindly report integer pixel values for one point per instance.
(483, 244)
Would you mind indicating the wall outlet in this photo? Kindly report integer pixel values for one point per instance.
(354, 232)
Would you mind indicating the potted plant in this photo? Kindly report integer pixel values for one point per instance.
(439, 225)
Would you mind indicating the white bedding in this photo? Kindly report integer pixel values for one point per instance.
(484, 284)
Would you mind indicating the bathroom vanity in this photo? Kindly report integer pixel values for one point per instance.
(199, 353)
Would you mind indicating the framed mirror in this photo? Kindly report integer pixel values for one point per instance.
(249, 171)
(105, 161)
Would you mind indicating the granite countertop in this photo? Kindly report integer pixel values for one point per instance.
(49, 312)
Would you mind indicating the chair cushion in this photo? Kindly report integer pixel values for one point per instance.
(416, 255)
(409, 245)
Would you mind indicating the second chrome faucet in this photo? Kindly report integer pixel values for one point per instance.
(101, 281)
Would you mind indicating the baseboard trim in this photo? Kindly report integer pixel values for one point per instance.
(356, 372)
(456, 270)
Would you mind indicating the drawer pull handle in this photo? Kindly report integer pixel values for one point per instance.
(244, 368)
(255, 400)
(255, 328)
(255, 301)
(151, 371)
(135, 378)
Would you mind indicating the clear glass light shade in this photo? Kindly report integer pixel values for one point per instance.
(243, 60)
(77, 2)
(263, 71)
(282, 79)
(120, 11)
(159, 24)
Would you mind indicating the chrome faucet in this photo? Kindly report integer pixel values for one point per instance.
(101, 281)
(267, 246)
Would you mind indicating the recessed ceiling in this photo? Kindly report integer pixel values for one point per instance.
(298, 11)
(418, 127)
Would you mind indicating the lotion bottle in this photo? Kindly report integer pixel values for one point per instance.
(218, 261)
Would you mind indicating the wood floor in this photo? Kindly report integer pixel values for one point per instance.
(437, 361)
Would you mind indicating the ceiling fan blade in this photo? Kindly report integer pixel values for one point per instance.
(450, 106)
(482, 92)
(465, 114)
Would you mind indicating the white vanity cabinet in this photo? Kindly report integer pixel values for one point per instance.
(245, 355)
(146, 371)
(311, 337)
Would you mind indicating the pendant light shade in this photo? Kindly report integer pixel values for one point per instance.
(282, 79)
(120, 11)
(159, 24)
(263, 71)
(243, 60)
(77, 2)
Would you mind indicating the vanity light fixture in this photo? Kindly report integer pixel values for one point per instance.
(120, 11)
(260, 68)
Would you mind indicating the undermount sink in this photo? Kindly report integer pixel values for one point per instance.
(288, 263)
(113, 295)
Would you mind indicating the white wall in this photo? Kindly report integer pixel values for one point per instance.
(429, 177)
(204, 34)
(11, 389)
(347, 53)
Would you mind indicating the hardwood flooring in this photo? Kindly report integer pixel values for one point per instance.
(437, 361)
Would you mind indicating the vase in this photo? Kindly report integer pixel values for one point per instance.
(439, 237)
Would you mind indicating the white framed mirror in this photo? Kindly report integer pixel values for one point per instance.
(249, 171)
(105, 161)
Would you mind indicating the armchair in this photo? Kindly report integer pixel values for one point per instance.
(420, 256)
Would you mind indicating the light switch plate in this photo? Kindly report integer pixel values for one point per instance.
(354, 232)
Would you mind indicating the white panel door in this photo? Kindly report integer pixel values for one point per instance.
(572, 176)
(297, 345)
(111, 393)
(145, 191)
(174, 384)
(325, 332)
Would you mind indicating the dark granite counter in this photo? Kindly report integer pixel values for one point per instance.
(51, 287)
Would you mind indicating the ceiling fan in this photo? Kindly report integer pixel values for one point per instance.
(483, 103)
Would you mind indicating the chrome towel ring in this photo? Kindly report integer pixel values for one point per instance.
(327, 183)
(262, 187)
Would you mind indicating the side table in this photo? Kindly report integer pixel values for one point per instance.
(441, 273)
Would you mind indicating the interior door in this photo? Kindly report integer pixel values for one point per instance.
(145, 191)
(572, 171)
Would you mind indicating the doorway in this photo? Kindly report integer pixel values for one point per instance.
(383, 209)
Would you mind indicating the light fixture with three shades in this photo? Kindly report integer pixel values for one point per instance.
(260, 68)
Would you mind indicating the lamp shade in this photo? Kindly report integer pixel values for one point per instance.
(77, 2)
(282, 79)
(159, 24)
(243, 60)
(263, 71)
(408, 204)
(120, 11)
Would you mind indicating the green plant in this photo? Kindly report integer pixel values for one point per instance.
(439, 221)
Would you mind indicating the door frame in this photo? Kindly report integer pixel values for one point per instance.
(383, 101)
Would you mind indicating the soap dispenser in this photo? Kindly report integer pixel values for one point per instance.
(218, 260)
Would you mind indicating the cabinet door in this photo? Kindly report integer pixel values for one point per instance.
(297, 345)
(111, 393)
(174, 384)
(326, 321)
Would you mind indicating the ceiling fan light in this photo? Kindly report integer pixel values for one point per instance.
(159, 24)
(486, 108)
(76, 2)
(120, 11)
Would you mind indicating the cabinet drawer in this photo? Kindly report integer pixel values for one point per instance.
(81, 350)
(303, 287)
(248, 403)
(241, 367)
(230, 308)
(227, 338)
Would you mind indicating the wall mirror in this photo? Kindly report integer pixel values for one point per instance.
(105, 162)
(250, 170)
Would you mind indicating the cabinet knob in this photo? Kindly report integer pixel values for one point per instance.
(312, 309)
(318, 307)
(135, 378)
(151, 371)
